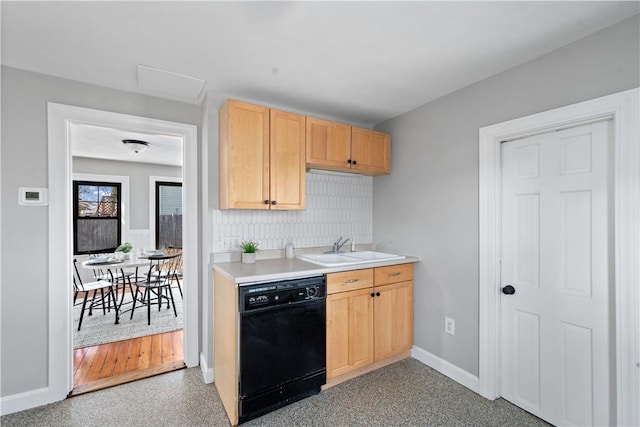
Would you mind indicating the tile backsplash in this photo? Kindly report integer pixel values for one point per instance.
(336, 205)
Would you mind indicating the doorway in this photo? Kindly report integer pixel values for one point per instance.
(112, 184)
(622, 109)
(60, 117)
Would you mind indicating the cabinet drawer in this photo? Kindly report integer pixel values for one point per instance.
(393, 274)
(349, 280)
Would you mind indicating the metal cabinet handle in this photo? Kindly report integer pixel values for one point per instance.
(394, 274)
(351, 281)
(266, 202)
(273, 202)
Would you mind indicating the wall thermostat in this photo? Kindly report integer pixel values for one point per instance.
(33, 196)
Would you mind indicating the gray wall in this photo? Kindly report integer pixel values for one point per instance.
(428, 206)
(138, 174)
(24, 229)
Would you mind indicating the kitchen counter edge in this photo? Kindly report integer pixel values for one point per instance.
(269, 270)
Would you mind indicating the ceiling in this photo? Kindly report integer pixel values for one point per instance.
(106, 143)
(359, 62)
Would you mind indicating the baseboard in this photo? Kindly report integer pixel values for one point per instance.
(27, 400)
(366, 369)
(207, 372)
(446, 368)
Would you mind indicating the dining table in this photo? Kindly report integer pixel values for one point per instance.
(118, 266)
(114, 263)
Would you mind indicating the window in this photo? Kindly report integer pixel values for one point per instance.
(168, 215)
(96, 217)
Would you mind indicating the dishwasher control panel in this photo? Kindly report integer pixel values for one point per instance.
(266, 295)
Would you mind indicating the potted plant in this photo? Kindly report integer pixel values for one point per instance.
(249, 249)
(124, 249)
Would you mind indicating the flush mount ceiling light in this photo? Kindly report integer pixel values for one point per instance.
(135, 145)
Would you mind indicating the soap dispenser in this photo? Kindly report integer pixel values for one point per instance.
(353, 246)
(288, 251)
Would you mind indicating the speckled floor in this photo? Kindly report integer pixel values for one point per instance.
(406, 393)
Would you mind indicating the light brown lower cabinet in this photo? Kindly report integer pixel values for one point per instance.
(349, 331)
(393, 319)
(371, 323)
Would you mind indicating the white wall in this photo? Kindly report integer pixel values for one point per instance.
(428, 206)
(24, 229)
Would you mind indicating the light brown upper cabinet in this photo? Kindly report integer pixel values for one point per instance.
(339, 147)
(370, 151)
(328, 144)
(261, 158)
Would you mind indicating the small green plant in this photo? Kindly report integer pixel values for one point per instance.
(126, 247)
(249, 247)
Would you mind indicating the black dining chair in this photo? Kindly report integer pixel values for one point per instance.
(172, 269)
(105, 287)
(152, 289)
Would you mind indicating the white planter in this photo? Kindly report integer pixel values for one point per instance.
(248, 258)
(122, 256)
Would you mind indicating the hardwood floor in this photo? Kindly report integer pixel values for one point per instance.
(111, 364)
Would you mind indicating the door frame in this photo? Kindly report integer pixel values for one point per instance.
(624, 110)
(60, 117)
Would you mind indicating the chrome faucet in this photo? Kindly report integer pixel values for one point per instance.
(338, 244)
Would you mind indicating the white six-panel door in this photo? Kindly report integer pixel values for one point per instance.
(556, 253)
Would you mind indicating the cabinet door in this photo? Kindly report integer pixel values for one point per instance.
(393, 309)
(328, 144)
(287, 165)
(370, 151)
(349, 331)
(243, 156)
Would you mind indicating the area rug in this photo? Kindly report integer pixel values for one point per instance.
(100, 329)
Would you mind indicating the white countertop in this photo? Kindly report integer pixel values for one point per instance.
(268, 270)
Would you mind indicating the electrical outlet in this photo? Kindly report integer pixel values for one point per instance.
(230, 243)
(449, 325)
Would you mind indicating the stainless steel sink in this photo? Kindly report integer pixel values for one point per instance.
(348, 258)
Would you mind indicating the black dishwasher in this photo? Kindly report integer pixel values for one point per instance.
(282, 344)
